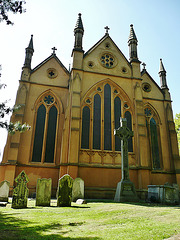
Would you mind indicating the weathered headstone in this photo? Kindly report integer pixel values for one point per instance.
(20, 192)
(4, 191)
(125, 190)
(78, 189)
(64, 193)
(43, 192)
(164, 194)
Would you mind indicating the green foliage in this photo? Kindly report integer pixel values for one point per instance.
(11, 127)
(7, 6)
(177, 126)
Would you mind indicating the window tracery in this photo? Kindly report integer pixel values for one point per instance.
(104, 114)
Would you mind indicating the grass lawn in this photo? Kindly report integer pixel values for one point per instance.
(94, 220)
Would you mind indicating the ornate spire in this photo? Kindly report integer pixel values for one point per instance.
(132, 43)
(162, 75)
(78, 33)
(132, 35)
(29, 54)
(79, 24)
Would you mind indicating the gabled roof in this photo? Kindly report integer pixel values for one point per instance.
(49, 58)
(100, 41)
(144, 71)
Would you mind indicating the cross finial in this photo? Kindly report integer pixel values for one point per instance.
(144, 65)
(54, 49)
(107, 29)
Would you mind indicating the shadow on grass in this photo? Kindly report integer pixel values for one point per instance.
(17, 229)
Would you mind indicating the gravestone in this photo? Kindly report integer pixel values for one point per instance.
(43, 192)
(77, 189)
(20, 192)
(125, 191)
(4, 191)
(165, 194)
(64, 193)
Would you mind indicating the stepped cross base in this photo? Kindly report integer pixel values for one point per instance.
(125, 192)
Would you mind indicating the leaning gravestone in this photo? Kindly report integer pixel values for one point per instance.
(4, 191)
(43, 192)
(125, 191)
(20, 192)
(64, 192)
(77, 189)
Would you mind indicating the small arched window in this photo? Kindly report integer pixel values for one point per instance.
(107, 117)
(45, 131)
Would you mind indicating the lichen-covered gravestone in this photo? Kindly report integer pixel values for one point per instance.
(78, 189)
(64, 193)
(4, 191)
(20, 192)
(43, 192)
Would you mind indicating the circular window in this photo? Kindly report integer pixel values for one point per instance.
(52, 73)
(107, 60)
(48, 99)
(124, 69)
(146, 87)
(90, 64)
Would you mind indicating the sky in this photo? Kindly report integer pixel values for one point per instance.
(156, 24)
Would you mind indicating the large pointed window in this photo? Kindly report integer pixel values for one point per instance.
(153, 137)
(97, 122)
(107, 117)
(154, 144)
(101, 112)
(85, 127)
(45, 131)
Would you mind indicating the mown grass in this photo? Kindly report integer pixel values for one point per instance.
(95, 220)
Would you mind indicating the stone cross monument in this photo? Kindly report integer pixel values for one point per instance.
(125, 189)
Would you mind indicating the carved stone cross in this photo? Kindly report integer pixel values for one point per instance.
(107, 29)
(124, 133)
(54, 50)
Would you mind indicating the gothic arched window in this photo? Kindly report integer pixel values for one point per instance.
(45, 131)
(117, 115)
(153, 137)
(85, 127)
(101, 112)
(154, 144)
(129, 125)
(97, 122)
(107, 117)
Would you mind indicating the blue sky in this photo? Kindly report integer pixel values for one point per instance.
(156, 24)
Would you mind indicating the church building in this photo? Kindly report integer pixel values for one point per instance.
(73, 114)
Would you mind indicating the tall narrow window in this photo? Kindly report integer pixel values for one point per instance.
(51, 135)
(85, 128)
(129, 125)
(117, 115)
(97, 122)
(107, 117)
(154, 144)
(39, 134)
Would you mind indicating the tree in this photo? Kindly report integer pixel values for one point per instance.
(177, 126)
(7, 6)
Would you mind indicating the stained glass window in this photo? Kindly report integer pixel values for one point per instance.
(97, 122)
(39, 134)
(85, 128)
(129, 125)
(51, 135)
(154, 144)
(107, 117)
(117, 115)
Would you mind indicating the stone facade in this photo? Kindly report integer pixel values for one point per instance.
(79, 110)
